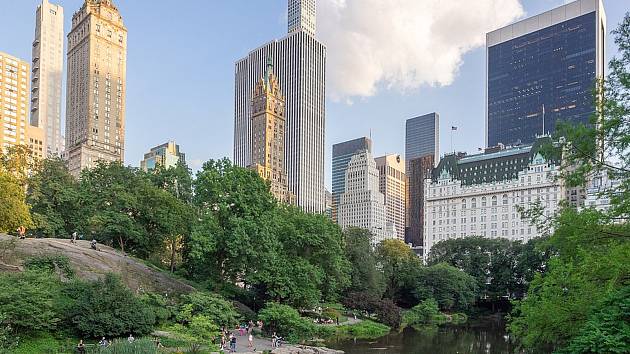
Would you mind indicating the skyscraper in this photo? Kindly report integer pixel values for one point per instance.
(393, 184)
(542, 70)
(361, 204)
(341, 155)
(166, 155)
(302, 16)
(95, 102)
(299, 61)
(14, 79)
(422, 136)
(422, 146)
(268, 124)
(46, 79)
(418, 171)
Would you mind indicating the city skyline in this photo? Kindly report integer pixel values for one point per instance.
(344, 120)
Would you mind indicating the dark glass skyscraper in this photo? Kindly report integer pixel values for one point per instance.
(422, 137)
(341, 155)
(542, 70)
(422, 149)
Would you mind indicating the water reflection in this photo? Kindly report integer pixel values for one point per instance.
(488, 337)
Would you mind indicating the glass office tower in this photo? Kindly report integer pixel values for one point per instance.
(542, 70)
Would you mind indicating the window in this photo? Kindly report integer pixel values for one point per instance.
(483, 201)
(494, 200)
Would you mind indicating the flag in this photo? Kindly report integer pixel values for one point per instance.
(453, 127)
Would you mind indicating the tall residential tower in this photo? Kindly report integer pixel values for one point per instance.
(542, 70)
(95, 102)
(299, 61)
(14, 79)
(46, 78)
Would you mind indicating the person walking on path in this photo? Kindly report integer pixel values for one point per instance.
(250, 339)
(233, 344)
(81, 347)
(74, 237)
(131, 339)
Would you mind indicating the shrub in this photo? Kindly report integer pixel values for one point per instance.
(50, 264)
(286, 322)
(107, 308)
(330, 313)
(216, 308)
(28, 301)
(122, 346)
(199, 331)
(162, 308)
(459, 318)
(364, 330)
(388, 313)
(42, 343)
(361, 300)
(424, 313)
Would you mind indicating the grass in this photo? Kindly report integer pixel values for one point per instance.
(363, 330)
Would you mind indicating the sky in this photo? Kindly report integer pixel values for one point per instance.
(387, 61)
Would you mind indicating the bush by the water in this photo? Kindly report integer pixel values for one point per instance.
(426, 312)
(286, 322)
(364, 330)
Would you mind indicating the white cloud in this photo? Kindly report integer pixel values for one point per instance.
(403, 44)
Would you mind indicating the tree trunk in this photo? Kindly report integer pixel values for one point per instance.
(173, 244)
(122, 244)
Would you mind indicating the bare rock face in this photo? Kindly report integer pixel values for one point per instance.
(90, 264)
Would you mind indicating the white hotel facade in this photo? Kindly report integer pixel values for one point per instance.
(299, 61)
(479, 195)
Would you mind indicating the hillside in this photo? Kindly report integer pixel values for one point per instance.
(90, 264)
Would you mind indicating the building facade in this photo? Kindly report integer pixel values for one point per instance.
(95, 95)
(362, 204)
(14, 79)
(393, 184)
(299, 61)
(419, 170)
(268, 127)
(302, 16)
(46, 77)
(479, 195)
(166, 155)
(341, 155)
(542, 70)
(422, 136)
(422, 139)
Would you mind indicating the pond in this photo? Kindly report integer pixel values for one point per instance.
(486, 337)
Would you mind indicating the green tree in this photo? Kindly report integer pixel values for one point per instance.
(501, 267)
(426, 312)
(13, 210)
(214, 307)
(286, 322)
(53, 195)
(29, 301)
(450, 287)
(106, 308)
(364, 274)
(19, 162)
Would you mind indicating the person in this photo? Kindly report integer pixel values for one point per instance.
(131, 339)
(158, 343)
(81, 347)
(250, 339)
(274, 340)
(233, 344)
(21, 232)
(223, 340)
(337, 320)
(250, 326)
(103, 342)
(93, 245)
(74, 237)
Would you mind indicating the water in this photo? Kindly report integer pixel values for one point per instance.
(488, 337)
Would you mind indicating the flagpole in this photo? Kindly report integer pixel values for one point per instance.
(543, 118)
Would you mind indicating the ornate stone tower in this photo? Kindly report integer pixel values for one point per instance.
(268, 127)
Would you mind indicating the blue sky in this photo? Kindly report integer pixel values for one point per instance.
(180, 82)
